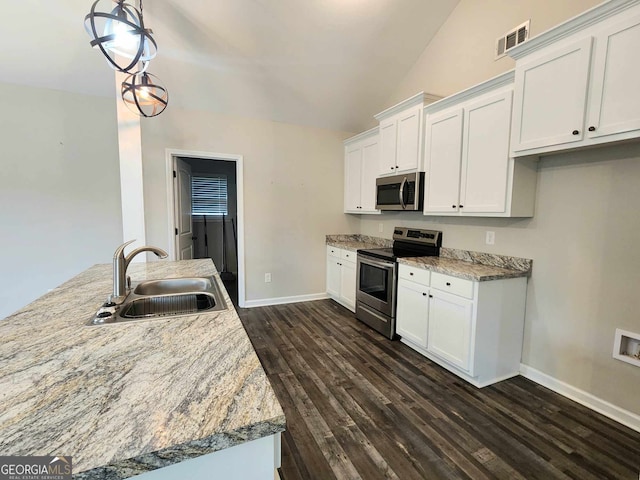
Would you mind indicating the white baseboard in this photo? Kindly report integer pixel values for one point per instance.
(264, 302)
(607, 409)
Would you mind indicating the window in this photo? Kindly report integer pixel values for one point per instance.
(209, 195)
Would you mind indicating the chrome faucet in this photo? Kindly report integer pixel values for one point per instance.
(120, 264)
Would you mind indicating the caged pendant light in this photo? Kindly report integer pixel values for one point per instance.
(120, 35)
(143, 95)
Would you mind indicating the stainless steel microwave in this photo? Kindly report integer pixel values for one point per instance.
(400, 192)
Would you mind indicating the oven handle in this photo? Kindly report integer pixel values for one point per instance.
(375, 263)
(401, 193)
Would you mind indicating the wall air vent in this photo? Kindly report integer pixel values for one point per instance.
(512, 38)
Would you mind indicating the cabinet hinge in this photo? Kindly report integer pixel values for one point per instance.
(176, 231)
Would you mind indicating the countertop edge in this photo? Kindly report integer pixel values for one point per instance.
(174, 454)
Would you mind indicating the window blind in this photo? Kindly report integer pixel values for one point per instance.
(209, 195)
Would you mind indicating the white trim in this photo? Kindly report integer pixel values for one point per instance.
(607, 409)
(418, 99)
(265, 302)
(502, 80)
(361, 136)
(170, 154)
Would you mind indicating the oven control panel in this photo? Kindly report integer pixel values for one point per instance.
(417, 235)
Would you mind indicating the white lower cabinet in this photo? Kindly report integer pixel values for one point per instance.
(473, 329)
(411, 312)
(341, 276)
(449, 332)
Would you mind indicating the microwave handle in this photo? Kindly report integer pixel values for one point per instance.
(401, 193)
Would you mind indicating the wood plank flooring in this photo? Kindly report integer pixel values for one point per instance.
(361, 406)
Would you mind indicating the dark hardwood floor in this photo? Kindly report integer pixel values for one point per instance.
(361, 406)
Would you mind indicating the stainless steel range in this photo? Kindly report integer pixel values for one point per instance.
(377, 275)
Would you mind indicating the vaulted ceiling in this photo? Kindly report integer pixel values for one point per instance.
(327, 63)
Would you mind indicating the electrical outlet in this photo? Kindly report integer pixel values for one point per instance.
(267, 278)
(380, 227)
(490, 238)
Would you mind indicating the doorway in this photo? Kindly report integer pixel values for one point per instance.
(212, 208)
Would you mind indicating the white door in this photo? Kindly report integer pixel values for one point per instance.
(485, 155)
(449, 333)
(615, 93)
(352, 181)
(408, 140)
(551, 96)
(388, 147)
(443, 149)
(184, 228)
(412, 312)
(370, 169)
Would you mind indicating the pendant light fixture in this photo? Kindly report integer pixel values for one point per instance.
(143, 94)
(120, 35)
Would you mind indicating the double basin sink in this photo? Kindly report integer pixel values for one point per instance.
(170, 297)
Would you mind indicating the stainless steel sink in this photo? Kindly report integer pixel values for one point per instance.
(175, 286)
(166, 298)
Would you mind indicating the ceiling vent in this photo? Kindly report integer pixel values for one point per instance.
(512, 38)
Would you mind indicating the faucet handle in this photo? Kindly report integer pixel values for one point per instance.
(128, 282)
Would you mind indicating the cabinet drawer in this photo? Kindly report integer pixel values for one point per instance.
(348, 255)
(334, 251)
(457, 286)
(418, 275)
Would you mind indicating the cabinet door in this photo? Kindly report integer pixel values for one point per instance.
(370, 169)
(408, 140)
(443, 148)
(388, 147)
(449, 332)
(333, 276)
(485, 155)
(412, 312)
(352, 178)
(348, 284)
(550, 98)
(614, 105)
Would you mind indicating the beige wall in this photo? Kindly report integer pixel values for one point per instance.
(59, 189)
(293, 192)
(583, 237)
(462, 52)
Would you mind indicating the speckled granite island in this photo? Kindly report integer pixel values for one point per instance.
(134, 397)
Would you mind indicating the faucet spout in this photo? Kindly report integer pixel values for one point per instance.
(120, 265)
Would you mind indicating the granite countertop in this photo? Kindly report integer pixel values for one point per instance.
(477, 266)
(127, 398)
(355, 242)
(463, 269)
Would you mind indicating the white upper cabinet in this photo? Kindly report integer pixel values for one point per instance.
(400, 135)
(577, 84)
(361, 166)
(466, 155)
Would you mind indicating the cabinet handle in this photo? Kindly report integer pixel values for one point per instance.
(430, 296)
(576, 132)
(424, 294)
(411, 273)
(453, 206)
(592, 129)
(392, 168)
(448, 284)
(461, 206)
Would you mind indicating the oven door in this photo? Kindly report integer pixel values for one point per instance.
(376, 284)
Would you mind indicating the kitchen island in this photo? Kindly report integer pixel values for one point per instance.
(129, 398)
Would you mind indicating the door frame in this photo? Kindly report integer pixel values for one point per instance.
(170, 155)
